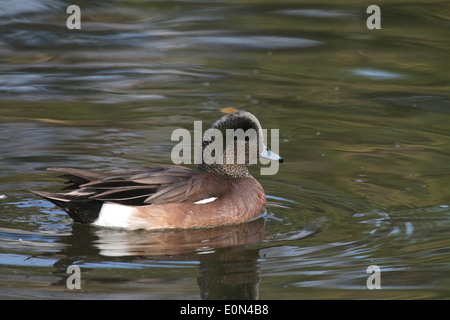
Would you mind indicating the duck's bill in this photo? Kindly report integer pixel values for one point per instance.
(267, 154)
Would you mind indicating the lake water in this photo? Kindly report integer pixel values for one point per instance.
(364, 120)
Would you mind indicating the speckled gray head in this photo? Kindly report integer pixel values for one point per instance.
(232, 142)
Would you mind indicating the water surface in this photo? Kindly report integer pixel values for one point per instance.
(364, 130)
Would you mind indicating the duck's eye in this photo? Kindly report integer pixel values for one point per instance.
(246, 138)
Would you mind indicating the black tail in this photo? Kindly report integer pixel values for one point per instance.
(80, 209)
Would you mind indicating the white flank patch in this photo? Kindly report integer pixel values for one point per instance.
(114, 215)
(207, 200)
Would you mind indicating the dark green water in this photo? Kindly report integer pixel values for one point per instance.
(364, 129)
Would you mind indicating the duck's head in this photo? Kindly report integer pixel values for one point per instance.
(233, 142)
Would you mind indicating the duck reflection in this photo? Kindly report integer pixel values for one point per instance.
(112, 242)
(230, 274)
(228, 268)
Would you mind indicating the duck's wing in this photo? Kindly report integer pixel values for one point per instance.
(144, 186)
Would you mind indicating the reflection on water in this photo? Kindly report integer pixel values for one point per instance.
(198, 241)
(363, 118)
(227, 269)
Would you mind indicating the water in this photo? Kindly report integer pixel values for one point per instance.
(364, 131)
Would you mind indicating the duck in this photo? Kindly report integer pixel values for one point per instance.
(172, 196)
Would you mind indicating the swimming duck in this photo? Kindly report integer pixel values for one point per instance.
(172, 196)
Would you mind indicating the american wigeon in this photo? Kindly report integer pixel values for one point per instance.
(171, 196)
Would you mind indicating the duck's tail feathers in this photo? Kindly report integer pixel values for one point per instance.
(80, 209)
